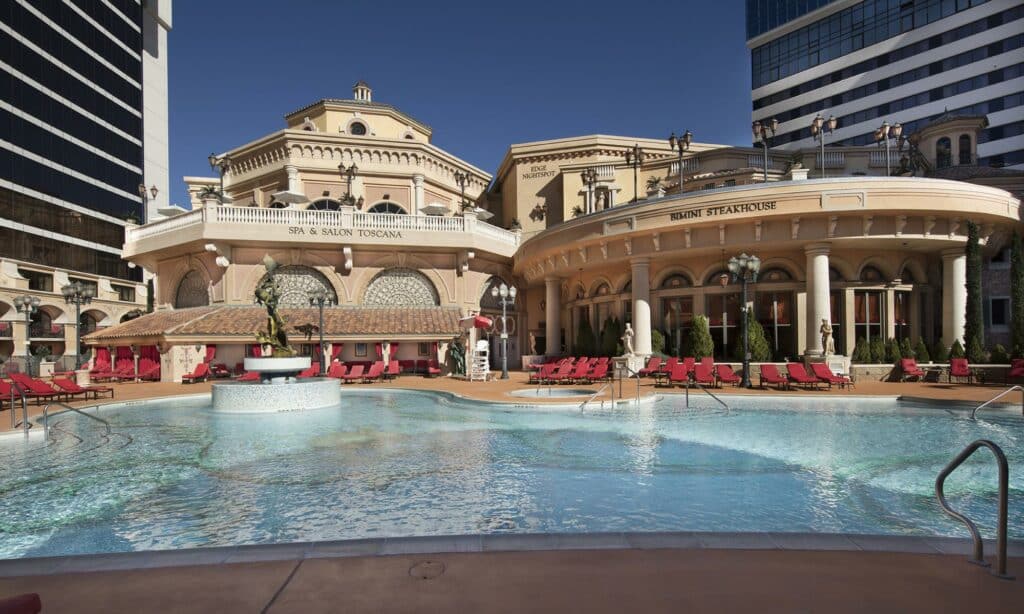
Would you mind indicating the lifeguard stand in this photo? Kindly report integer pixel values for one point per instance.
(480, 366)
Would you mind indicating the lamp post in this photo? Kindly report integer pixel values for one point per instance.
(348, 173)
(744, 268)
(221, 165)
(144, 192)
(635, 157)
(680, 144)
(462, 179)
(318, 298)
(78, 294)
(763, 133)
(819, 127)
(27, 305)
(589, 178)
(888, 133)
(506, 297)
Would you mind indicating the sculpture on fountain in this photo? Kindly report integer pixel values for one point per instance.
(268, 295)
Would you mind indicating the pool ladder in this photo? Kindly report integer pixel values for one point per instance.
(999, 396)
(46, 421)
(24, 424)
(1004, 477)
(690, 382)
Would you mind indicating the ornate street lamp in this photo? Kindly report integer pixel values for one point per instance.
(318, 298)
(348, 173)
(680, 144)
(462, 179)
(506, 298)
(27, 305)
(220, 164)
(763, 133)
(634, 158)
(144, 192)
(887, 134)
(589, 178)
(744, 268)
(819, 127)
(78, 294)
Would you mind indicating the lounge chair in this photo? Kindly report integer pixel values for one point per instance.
(689, 361)
(562, 374)
(669, 365)
(798, 375)
(708, 362)
(375, 373)
(393, 370)
(823, 373)
(726, 375)
(680, 375)
(579, 372)
(541, 375)
(219, 370)
(200, 374)
(353, 376)
(909, 368)
(312, 371)
(336, 370)
(960, 369)
(770, 375)
(598, 373)
(37, 389)
(152, 374)
(249, 376)
(433, 368)
(703, 374)
(72, 387)
(1016, 368)
(653, 364)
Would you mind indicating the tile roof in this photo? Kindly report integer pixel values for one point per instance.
(244, 321)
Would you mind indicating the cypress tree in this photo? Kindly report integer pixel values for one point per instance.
(584, 338)
(1017, 297)
(940, 353)
(699, 343)
(892, 350)
(906, 350)
(921, 351)
(760, 349)
(861, 352)
(878, 351)
(956, 350)
(974, 328)
(657, 342)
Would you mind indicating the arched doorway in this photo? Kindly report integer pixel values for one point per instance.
(193, 291)
(296, 283)
(400, 287)
(490, 306)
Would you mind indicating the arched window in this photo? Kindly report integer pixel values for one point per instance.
(870, 273)
(297, 283)
(965, 149)
(401, 288)
(907, 276)
(325, 204)
(278, 205)
(602, 290)
(387, 207)
(943, 152)
(774, 275)
(834, 274)
(716, 278)
(357, 129)
(675, 281)
(491, 303)
(193, 291)
(131, 315)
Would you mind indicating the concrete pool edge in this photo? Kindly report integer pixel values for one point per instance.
(527, 542)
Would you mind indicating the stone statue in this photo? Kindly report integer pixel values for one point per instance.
(458, 354)
(828, 346)
(599, 205)
(627, 340)
(268, 295)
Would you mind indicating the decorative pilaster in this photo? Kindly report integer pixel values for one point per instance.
(818, 307)
(641, 270)
(552, 313)
(954, 295)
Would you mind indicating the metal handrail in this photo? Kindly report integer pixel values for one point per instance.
(25, 424)
(46, 421)
(595, 395)
(632, 374)
(999, 396)
(1004, 478)
(706, 391)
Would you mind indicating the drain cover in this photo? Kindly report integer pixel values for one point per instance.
(427, 570)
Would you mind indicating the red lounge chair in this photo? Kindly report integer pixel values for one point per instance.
(375, 373)
(562, 374)
(689, 361)
(218, 370)
(653, 364)
(598, 373)
(702, 374)
(909, 368)
(823, 373)
(770, 375)
(708, 361)
(726, 375)
(433, 368)
(336, 370)
(152, 374)
(239, 369)
(960, 369)
(353, 376)
(579, 372)
(37, 389)
(669, 365)
(249, 376)
(393, 370)
(72, 387)
(680, 375)
(1016, 368)
(312, 371)
(200, 374)
(542, 375)
(798, 375)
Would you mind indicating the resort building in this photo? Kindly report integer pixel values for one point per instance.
(84, 154)
(865, 62)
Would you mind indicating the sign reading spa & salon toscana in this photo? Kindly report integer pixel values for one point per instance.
(329, 232)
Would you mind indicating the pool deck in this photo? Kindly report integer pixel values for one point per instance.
(635, 572)
(497, 391)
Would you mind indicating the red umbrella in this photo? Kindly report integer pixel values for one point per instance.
(476, 322)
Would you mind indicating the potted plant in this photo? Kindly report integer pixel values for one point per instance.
(654, 187)
(210, 196)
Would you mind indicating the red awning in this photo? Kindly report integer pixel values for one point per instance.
(476, 322)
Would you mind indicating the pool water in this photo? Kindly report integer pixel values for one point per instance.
(391, 463)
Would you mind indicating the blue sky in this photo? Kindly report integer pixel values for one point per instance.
(482, 74)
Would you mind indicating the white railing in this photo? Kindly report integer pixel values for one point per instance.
(259, 216)
(690, 165)
(605, 172)
(833, 159)
(877, 158)
(757, 161)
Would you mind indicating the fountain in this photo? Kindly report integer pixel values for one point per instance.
(278, 388)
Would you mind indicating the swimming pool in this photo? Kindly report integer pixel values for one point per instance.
(392, 463)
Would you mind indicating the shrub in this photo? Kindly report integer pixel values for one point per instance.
(585, 341)
(699, 342)
(921, 351)
(892, 351)
(1017, 296)
(657, 342)
(975, 352)
(956, 350)
(861, 352)
(974, 325)
(907, 350)
(940, 353)
(760, 349)
(878, 351)
(999, 355)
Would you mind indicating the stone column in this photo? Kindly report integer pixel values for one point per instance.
(849, 326)
(914, 317)
(889, 314)
(817, 295)
(641, 306)
(954, 295)
(417, 194)
(552, 315)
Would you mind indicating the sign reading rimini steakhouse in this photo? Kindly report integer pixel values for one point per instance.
(764, 205)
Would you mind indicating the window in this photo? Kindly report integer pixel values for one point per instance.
(124, 293)
(836, 310)
(325, 204)
(423, 349)
(870, 273)
(85, 283)
(387, 207)
(678, 319)
(38, 281)
(675, 281)
(902, 314)
(357, 129)
(965, 149)
(360, 350)
(999, 312)
(1001, 260)
(723, 312)
(867, 308)
(943, 153)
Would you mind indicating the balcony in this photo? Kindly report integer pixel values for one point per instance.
(311, 226)
(45, 331)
